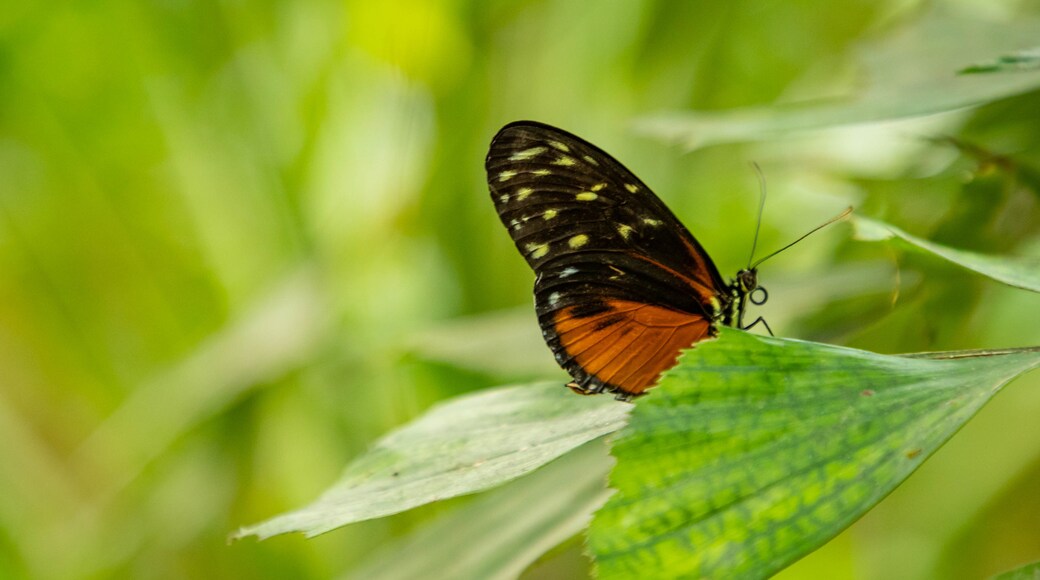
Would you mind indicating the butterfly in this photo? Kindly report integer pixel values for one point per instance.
(621, 286)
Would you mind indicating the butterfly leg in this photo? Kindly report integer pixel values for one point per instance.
(580, 389)
(586, 387)
(593, 387)
(590, 387)
(764, 323)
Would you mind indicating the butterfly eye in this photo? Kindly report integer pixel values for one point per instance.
(748, 280)
(759, 299)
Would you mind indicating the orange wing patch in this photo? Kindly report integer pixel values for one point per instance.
(629, 345)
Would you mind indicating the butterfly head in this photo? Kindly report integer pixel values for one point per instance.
(747, 280)
(747, 285)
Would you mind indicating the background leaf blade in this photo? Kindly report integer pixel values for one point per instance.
(1020, 272)
(909, 73)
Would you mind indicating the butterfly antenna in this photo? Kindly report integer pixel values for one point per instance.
(761, 206)
(838, 217)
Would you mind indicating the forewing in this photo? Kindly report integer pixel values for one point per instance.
(621, 284)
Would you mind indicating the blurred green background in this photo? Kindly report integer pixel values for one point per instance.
(240, 241)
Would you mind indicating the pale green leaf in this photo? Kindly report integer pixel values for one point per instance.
(465, 445)
(754, 451)
(501, 533)
(1020, 272)
(908, 74)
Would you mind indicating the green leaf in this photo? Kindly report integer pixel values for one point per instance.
(501, 533)
(1027, 572)
(1015, 61)
(1018, 272)
(754, 451)
(908, 74)
(469, 444)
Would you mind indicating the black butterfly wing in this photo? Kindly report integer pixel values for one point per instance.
(621, 285)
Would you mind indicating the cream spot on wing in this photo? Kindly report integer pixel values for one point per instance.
(503, 198)
(515, 224)
(578, 241)
(568, 271)
(506, 175)
(523, 192)
(527, 153)
(554, 299)
(564, 161)
(549, 214)
(624, 230)
(560, 146)
(586, 196)
(541, 172)
(631, 187)
(537, 250)
(599, 186)
(651, 222)
(590, 159)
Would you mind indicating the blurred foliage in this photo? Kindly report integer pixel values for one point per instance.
(225, 229)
